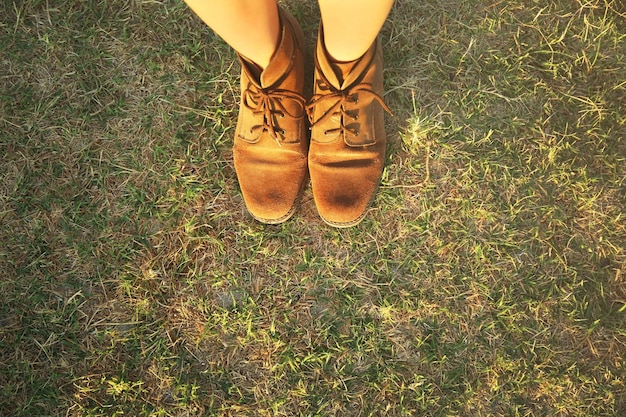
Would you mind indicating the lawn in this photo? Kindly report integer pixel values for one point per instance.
(486, 280)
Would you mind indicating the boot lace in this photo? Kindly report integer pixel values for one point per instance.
(339, 99)
(268, 103)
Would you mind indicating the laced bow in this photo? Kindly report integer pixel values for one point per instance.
(269, 104)
(339, 99)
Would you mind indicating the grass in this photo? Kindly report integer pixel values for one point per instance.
(486, 280)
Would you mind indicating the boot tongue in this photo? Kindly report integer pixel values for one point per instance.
(342, 68)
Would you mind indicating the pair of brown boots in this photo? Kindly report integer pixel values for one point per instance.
(345, 156)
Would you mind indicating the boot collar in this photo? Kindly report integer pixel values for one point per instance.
(281, 62)
(324, 61)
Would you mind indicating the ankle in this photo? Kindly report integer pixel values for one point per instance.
(343, 54)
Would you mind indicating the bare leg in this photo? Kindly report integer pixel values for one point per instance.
(251, 27)
(351, 26)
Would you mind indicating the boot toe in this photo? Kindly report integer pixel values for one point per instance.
(273, 204)
(271, 192)
(343, 209)
(344, 190)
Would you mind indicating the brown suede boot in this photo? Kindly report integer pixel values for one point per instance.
(270, 147)
(347, 151)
